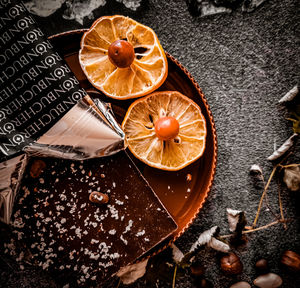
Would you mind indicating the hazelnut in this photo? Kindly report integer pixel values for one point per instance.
(241, 284)
(37, 168)
(291, 260)
(269, 280)
(121, 53)
(262, 266)
(98, 197)
(231, 264)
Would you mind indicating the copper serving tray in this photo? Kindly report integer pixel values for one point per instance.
(181, 196)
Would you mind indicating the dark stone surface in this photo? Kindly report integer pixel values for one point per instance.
(244, 64)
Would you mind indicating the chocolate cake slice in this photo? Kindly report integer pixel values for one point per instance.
(80, 241)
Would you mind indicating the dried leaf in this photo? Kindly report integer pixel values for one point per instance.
(283, 148)
(255, 169)
(289, 96)
(218, 245)
(257, 176)
(177, 254)
(292, 178)
(204, 238)
(131, 273)
(236, 220)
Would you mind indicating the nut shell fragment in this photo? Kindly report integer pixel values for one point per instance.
(231, 264)
(291, 260)
(37, 168)
(98, 197)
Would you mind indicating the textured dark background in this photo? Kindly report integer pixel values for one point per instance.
(244, 63)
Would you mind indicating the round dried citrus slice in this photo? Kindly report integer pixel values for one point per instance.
(122, 70)
(165, 130)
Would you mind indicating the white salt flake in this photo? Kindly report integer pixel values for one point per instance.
(124, 240)
(118, 202)
(128, 227)
(141, 233)
(114, 212)
(112, 232)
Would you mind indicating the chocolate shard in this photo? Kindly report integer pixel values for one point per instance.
(11, 172)
(81, 242)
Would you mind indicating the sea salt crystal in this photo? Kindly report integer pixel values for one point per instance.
(114, 212)
(62, 197)
(141, 233)
(94, 224)
(78, 232)
(128, 227)
(60, 208)
(118, 202)
(94, 256)
(98, 198)
(71, 255)
(112, 232)
(85, 269)
(124, 240)
(115, 255)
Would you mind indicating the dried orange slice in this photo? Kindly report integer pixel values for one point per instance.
(165, 130)
(141, 74)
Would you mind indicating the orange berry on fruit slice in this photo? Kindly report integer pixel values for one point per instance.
(122, 57)
(121, 53)
(165, 130)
